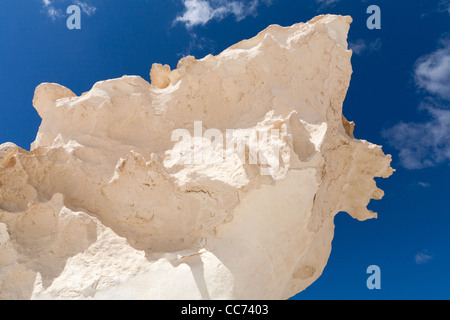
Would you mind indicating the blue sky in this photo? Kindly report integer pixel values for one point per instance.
(399, 97)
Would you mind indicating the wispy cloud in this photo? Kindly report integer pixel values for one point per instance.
(432, 71)
(422, 257)
(58, 11)
(427, 144)
(441, 7)
(200, 12)
(423, 184)
(361, 46)
(86, 8)
(197, 44)
(444, 6)
(50, 10)
(327, 2)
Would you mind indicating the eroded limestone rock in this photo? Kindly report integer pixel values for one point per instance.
(101, 207)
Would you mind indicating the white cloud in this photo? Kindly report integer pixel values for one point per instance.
(422, 257)
(51, 11)
(432, 71)
(422, 145)
(88, 9)
(199, 12)
(424, 184)
(444, 6)
(427, 144)
(327, 2)
(360, 46)
(59, 12)
(197, 43)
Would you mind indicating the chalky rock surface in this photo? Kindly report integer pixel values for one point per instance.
(100, 209)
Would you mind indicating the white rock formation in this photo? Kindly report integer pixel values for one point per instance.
(101, 208)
